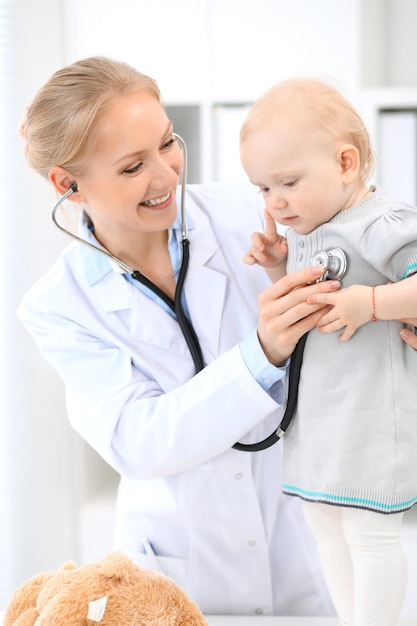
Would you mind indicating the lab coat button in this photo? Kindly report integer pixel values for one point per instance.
(238, 476)
(252, 543)
(258, 611)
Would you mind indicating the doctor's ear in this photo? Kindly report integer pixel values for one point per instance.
(63, 181)
(350, 162)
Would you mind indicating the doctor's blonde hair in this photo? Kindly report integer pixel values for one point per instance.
(313, 103)
(60, 125)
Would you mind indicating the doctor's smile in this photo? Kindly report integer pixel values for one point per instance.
(159, 203)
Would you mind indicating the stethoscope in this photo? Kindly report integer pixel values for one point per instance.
(175, 305)
(334, 261)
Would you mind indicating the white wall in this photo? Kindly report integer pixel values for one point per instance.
(401, 43)
(220, 49)
(389, 43)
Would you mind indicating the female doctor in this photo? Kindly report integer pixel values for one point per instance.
(190, 505)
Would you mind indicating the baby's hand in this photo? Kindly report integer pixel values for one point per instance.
(350, 308)
(268, 249)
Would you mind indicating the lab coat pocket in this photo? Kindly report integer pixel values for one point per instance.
(175, 568)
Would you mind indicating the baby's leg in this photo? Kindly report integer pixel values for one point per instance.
(326, 523)
(363, 562)
(379, 566)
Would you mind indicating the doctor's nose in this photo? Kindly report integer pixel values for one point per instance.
(167, 169)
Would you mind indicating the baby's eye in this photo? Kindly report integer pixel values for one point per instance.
(290, 183)
(264, 189)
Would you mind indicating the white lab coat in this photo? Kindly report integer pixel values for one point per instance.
(214, 516)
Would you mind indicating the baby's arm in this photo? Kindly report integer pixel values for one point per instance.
(358, 304)
(269, 249)
(397, 301)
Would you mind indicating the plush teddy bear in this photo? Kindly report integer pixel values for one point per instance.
(111, 592)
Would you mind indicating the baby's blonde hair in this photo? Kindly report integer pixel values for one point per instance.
(313, 102)
(61, 122)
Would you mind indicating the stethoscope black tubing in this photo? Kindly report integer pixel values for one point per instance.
(195, 350)
(186, 326)
(294, 379)
(176, 305)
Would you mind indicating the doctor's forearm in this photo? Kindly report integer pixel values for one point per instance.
(175, 432)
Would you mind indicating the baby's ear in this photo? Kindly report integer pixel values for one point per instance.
(350, 162)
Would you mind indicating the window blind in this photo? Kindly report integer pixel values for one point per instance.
(12, 478)
(6, 515)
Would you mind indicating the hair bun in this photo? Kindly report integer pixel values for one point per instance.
(23, 125)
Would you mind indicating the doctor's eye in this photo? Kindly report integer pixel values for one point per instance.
(133, 170)
(169, 143)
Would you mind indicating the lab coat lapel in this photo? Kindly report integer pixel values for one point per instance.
(205, 289)
(113, 292)
(146, 320)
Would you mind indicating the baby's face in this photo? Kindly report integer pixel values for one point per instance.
(299, 173)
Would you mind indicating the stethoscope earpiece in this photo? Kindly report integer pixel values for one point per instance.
(334, 261)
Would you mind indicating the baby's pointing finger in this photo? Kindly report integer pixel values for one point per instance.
(270, 225)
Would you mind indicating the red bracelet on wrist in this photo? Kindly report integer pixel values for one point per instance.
(373, 316)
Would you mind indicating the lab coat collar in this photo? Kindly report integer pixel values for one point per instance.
(97, 266)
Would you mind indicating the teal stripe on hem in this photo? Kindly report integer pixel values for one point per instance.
(411, 269)
(349, 500)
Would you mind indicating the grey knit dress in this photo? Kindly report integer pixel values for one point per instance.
(353, 439)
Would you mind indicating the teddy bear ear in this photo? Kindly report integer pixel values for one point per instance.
(117, 565)
(67, 566)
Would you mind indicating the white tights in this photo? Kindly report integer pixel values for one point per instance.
(363, 562)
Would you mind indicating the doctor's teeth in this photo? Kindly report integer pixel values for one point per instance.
(157, 201)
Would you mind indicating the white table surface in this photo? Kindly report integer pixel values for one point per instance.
(243, 620)
(239, 620)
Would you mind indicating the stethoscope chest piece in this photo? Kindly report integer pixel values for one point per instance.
(333, 260)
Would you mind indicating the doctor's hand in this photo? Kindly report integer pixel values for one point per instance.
(407, 335)
(285, 315)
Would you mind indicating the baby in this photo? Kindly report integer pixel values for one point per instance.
(350, 451)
